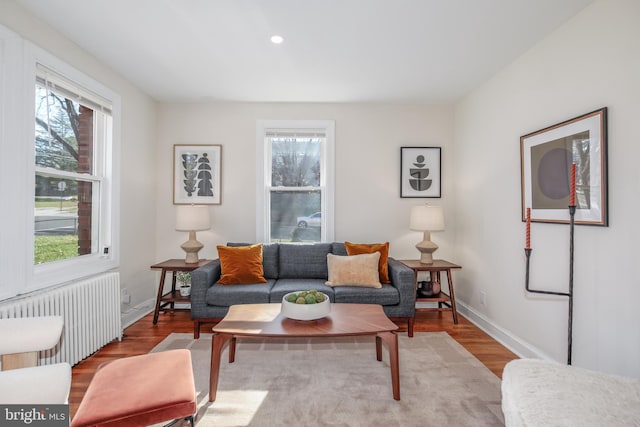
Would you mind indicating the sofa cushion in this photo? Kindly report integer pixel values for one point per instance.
(284, 286)
(367, 248)
(269, 258)
(386, 295)
(303, 261)
(355, 270)
(224, 295)
(240, 265)
(337, 248)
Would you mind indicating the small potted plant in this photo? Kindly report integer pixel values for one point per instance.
(184, 281)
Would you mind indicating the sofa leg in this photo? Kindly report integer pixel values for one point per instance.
(196, 329)
(410, 326)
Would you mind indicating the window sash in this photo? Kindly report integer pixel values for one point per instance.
(57, 173)
(62, 221)
(283, 189)
(317, 139)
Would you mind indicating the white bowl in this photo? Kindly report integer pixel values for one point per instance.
(305, 311)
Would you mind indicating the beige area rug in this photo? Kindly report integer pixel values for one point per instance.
(339, 382)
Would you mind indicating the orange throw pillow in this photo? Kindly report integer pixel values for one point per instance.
(241, 265)
(366, 248)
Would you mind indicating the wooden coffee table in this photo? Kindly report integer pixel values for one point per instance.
(265, 321)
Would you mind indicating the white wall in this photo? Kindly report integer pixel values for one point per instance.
(137, 161)
(368, 141)
(591, 62)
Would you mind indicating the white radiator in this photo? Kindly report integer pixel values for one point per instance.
(90, 309)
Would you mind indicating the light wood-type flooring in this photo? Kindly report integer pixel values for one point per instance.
(143, 335)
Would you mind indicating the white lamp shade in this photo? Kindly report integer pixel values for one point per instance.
(426, 217)
(192, 218)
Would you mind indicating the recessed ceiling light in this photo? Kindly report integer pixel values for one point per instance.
(277, 39)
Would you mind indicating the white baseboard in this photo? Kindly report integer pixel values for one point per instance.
(133, 314)
(515, 344)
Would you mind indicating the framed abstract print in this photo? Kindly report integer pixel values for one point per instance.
(196, 174)
(420, 172)
(546, 159)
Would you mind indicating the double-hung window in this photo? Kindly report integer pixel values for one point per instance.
(59, 175)
(71, 129)
(295, 181)
(74, 173)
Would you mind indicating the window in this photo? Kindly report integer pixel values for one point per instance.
(59, 174)
(73, 197)
(295, 194)
(72, 128)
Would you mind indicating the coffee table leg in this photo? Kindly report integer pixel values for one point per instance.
(232, 350)
(378, 348)
(391, 339)
(217, 344)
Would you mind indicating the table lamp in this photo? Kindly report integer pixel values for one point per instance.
(192, 218)
(426, 218)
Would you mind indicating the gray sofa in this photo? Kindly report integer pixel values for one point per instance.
(295, 267)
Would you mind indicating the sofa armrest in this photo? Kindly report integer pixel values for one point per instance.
(203, 278)
(403, 278)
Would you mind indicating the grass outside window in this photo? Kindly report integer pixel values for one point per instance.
(55, 248)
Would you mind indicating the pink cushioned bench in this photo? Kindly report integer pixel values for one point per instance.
(140, 391)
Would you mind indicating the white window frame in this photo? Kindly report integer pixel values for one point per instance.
(327, 176)
(107, 255)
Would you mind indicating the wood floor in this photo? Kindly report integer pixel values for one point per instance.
(143, 335)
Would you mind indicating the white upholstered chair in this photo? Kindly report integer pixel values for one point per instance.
(22, 381)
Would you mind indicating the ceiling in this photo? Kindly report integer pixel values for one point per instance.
(424, 51)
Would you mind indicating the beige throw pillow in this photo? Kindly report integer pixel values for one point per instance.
(354, 270)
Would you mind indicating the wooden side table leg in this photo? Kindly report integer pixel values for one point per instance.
(173, 289)
(452, 297)
(217, 344)
(378, 348)
(159, 297)
(415, 291)
(391, 340)
(435, 278)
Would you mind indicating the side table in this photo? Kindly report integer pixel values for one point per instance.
(434, 269)
(173, 296)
